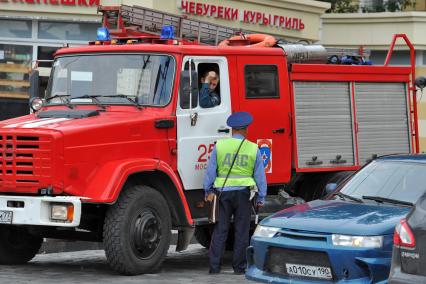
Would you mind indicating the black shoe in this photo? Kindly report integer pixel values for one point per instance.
(213, 271)
(239, 272)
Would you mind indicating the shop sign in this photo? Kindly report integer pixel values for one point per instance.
(88, 3)
(242, 15)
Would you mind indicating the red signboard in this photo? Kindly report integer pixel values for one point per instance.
(88, 3)
(243, 15)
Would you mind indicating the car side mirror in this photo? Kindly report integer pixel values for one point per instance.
(330, 187)
(188, 89)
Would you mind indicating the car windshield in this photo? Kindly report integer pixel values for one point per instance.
(398, 180)
(145, 79)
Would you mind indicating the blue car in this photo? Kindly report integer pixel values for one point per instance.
(345, 238)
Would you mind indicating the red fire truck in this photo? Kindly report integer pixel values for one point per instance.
(117, 149)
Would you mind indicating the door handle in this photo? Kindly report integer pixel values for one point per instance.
(194, 118)
(279, 130)
(223, 130)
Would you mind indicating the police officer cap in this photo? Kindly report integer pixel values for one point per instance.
(239, 120)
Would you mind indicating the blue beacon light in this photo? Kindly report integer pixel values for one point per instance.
(103, 34)
(167, 32)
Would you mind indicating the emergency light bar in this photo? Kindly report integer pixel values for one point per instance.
(102, 34)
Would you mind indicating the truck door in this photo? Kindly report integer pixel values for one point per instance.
(264, 92)
(198, 128)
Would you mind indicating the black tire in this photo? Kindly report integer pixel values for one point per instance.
(17, 245)
(313, 185)
(203, 235)
(137, 231)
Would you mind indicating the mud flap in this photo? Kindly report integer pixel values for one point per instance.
(184, 237)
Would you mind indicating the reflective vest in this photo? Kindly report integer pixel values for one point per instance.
(243, 168)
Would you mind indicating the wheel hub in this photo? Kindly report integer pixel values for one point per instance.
(146, 234)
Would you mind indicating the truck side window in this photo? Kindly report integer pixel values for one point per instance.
(261, 81)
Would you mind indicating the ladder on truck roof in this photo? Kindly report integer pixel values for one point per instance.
(135, 21)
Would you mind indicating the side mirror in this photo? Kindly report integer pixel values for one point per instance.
(188, 85)
(330, 187)
(34, 79)
(420, 82)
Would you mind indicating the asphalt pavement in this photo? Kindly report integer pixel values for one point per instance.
(90, 266)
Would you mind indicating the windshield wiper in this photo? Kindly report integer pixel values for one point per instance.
(380, 199)
(94, 99)
(136, 104)
(345, 196)
(63, 99)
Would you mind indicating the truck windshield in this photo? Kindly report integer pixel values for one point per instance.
(145, 79)
(395, 180)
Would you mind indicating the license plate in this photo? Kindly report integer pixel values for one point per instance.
(6, 217)
(309, 271)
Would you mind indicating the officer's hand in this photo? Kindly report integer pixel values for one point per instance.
(209, 197)
(260, 205)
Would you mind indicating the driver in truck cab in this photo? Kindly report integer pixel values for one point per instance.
(208, 94)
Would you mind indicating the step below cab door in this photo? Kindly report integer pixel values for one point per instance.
(264, 92)
(199, 128)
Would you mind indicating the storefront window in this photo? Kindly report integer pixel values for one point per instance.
(15, 29)
(67, 31)
(15, 64)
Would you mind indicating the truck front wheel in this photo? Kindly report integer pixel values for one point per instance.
(137, 231)
(17, 245)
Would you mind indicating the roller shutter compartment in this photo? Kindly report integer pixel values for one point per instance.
(324, 124)
(382, 116)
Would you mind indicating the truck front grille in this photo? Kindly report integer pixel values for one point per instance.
(24, 160)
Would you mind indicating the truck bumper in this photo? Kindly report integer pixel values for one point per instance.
(36, 210)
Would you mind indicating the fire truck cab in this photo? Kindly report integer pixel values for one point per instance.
(117, 151)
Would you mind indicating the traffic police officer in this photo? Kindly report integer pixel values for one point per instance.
(247, 170)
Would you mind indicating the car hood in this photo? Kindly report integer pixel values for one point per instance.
(340, 217)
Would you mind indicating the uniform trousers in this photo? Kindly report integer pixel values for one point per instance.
(231, 203)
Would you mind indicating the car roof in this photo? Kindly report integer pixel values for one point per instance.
(417, 158)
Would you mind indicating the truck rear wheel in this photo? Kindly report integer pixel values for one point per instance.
(204, 236)
(17, 245)
(137, 231)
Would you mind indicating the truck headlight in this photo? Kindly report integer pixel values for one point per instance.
(357, 241)
(62, 212)
(265, 231)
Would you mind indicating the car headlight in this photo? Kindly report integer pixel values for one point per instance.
(265, 231)
(357, 241)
